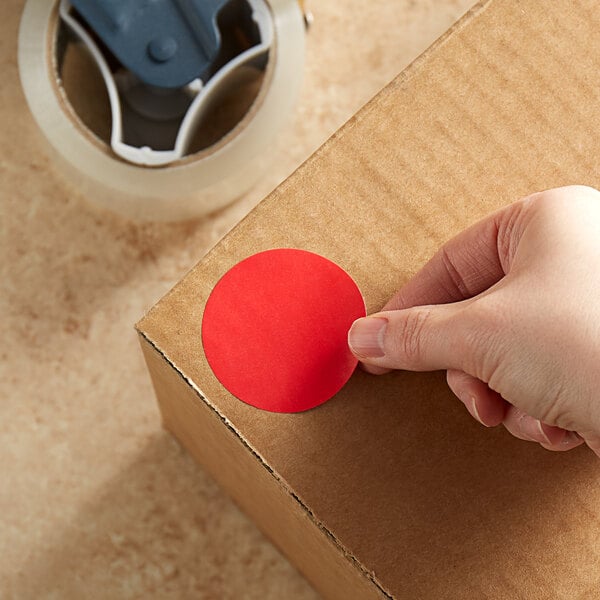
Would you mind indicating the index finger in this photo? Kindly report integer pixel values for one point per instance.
(469, 263)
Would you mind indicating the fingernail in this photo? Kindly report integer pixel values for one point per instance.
(474, 411)
(365, 337)
(532, 429)
(570, 438)
(539, 429)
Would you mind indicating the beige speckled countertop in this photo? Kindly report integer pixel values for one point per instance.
(96, 500)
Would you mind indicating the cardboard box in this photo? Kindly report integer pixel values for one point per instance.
(390, 490)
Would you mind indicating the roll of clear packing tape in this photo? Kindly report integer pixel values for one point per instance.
(192, 186)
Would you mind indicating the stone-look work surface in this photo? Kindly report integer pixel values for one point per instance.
(97, 501)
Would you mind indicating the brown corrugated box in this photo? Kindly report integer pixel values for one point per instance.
(391, 490)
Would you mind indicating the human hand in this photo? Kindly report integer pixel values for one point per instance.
(511, 309)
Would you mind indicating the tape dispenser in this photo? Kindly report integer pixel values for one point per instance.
(162, 109)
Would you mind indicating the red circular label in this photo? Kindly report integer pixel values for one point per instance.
(275, 329)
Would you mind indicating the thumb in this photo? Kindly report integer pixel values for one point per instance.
(423, 338)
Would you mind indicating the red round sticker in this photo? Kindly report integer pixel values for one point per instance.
(275, 329)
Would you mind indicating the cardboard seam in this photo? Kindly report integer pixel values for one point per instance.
(338, 545)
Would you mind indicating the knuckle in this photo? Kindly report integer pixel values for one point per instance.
(556, 406)
(510, 230)
(453, 273)
(551, 409)
(484, 346)
(409, 336)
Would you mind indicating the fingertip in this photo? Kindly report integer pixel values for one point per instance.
(366, 337)
(554, 435)
(491, 410)
(561, 439)
(470, 403)
(373, 369)
(526, 427)
(483, 404)
(571, 440)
